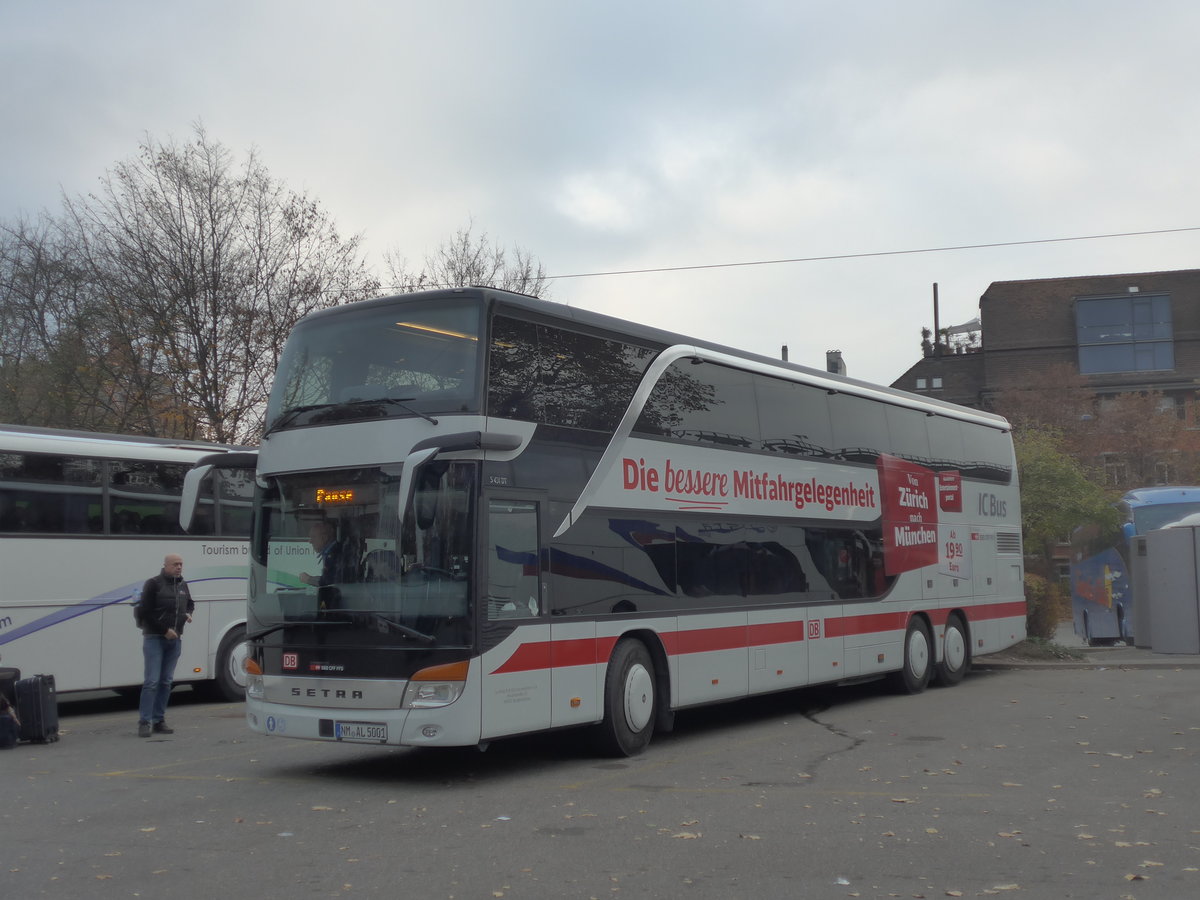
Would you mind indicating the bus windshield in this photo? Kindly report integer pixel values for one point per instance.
(392, 361)
(1159, 515)
(331, 549)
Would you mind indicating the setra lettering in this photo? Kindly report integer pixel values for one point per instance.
(327, 693)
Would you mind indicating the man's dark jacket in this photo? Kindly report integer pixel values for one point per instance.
(166, 602)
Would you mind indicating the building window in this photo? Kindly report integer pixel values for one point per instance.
(921, 384)
(1124, 334)
(1164, 472)
(1116, 473)
(937, 382)
(1172, 405)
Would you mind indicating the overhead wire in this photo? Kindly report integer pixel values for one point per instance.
(836, 256)
(876, 253)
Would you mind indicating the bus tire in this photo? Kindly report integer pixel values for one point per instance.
(229, 678)
(629, 700)
(956, 652)
(918, 658)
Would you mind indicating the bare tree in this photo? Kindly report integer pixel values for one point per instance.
(197, 270)
(46, 329)
(468, 260)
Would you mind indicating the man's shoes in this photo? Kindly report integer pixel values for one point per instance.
(163, 728)
(143, 729)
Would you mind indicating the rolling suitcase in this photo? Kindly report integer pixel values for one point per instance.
(8, 683)
(10, 732)
(37, 707)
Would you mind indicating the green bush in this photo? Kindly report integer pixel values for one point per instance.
(1045, 606)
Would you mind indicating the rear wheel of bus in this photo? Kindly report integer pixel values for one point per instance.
(629, 702)
(956, 652)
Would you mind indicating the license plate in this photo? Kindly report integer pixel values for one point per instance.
(370, 732)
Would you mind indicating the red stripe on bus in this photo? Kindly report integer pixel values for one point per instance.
(866, 624)
(775, 633)
(593, 651)
(1015, 609)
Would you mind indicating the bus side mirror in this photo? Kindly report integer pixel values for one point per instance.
(190, 497)
(425, 498)
(410, 481)
(191, 494)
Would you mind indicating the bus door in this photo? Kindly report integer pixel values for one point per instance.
(514, 628)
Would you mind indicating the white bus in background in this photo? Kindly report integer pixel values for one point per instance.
(547, 518)
(85, 519)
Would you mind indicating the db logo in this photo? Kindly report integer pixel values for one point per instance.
(291, 660)
(814, 629)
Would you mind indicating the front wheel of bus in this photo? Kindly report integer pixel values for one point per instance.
(229, 679)
(628, 700)
(956, 653)
(914, 677)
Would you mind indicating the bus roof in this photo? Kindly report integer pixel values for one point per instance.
(1151, 496)
(626, 329)
(36, 439)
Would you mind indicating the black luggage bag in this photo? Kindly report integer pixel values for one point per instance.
(37, 707)
(8, 683)
(10, 732)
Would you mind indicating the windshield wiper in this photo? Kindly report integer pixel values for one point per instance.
(427, 639)
(289, 415)
(401, 402)
(297, 623)
(332, 410)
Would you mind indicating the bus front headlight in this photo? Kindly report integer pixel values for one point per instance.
(436, 686)
(254, 678)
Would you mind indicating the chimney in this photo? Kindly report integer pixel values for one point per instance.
(834, 362)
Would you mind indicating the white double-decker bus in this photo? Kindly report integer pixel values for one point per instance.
(531, 517)
(85, 519)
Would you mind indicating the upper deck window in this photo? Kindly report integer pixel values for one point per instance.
(397, 359)
(542, 373)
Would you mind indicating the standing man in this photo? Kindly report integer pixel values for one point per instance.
(165, 606)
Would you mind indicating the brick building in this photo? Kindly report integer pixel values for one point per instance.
(1120, 333)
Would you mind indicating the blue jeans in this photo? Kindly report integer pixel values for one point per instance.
(160, 656)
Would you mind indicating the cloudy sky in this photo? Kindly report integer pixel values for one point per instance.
(617, 136)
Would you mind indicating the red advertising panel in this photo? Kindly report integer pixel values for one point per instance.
(910, 515)
(949, 491)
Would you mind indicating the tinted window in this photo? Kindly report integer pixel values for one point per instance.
(987, 454)
(908, 433)
(794, 417)
(540, 373)
(514, 382)
(49, 493)
(588, 382)
(945, 442)
(859, 427)
(144, 497)
(705, 404)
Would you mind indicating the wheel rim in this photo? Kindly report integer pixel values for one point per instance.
(237, 667)
(955, 651)
(918, 653)
(639, 697)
